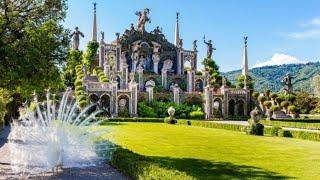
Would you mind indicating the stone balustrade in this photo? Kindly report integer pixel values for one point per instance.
(98, 86)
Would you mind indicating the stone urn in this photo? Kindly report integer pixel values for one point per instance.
(171, 112)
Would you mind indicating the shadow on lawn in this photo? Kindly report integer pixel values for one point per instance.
(204, 169)
(135, 165)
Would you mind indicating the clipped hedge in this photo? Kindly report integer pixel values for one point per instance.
(137, 166)
(155, 120)
(315, 125)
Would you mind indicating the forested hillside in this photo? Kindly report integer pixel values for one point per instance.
(269, 77)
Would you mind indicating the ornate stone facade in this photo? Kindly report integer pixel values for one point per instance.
(139, 62)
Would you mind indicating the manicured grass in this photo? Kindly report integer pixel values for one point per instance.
(208, 153)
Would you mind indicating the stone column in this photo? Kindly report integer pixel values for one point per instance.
(191, 80)
(133, 86)
(149, 90)
(155, 60)
(101, 55)
(208, 102)
(114, 99)
(118, 59)
(205, 75)
(164, 78)
(140, 77)
(124, 78)
(194, 61)
(106, 69)
(176, 94)
(180, 61)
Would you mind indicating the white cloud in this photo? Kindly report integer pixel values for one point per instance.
(279, 59)
(312, 30)
(315, 21)
(312, 33)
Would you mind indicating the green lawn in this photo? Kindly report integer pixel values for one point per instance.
(206, 153)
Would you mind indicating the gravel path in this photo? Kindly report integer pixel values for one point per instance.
(102, 171)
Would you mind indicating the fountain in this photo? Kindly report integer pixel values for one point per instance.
(46, 138)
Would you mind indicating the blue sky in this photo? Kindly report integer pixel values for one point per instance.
(279, 31)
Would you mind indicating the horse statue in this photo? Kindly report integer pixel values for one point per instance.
(143, 19)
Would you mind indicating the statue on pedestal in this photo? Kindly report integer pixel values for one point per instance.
(287, 83)
(210, 47)
(195, 46)
(143, 19)
(76, 38)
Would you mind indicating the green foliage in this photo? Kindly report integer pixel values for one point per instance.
(83, 103)
(90, 54)
(290, 97)
(99, 72)
(292, 109)
(145, 111)
(267, 104)
(198, 114)
(240, 82)
(160, 109)
(273, 96)
(124, 113)
(316, 85)
(275, 108)
(193, 99)
(285, 104)
(33, 48)
(108, 120)
(142, 167)
(262, 99)
(305, 102)
(255, 95)
(213, 68)
(73, 60)
(270, 77)
(293, 123)
(4, 99)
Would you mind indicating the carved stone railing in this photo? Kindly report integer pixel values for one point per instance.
(237, 92)
(98, 86)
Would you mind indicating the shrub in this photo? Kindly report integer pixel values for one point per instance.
(273, 96)
(267, 104)
(290, 97)
(145, 111)
(78, 82)
(79, 88)
(274, 130)
(143, 167)
(292, 109)
(193, 99)
(262, 99)
(275, 108)
(255, 95)
(279, 100)
(285, 104)
(82, 103)
(198, 114)
(124, 113)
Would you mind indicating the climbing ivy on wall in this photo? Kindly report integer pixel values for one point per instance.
(90, 55)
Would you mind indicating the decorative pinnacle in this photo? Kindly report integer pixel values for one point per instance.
(177, 17)
(245, 40)
(95, 7)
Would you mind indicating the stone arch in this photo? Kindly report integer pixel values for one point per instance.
(199, 85)
(93, 98)
(123, 104)
(231, 107)
(217, 106)
(240, 107)
(118, 79)
(105, 102)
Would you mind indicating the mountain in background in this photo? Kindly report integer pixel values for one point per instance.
(270, 77)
